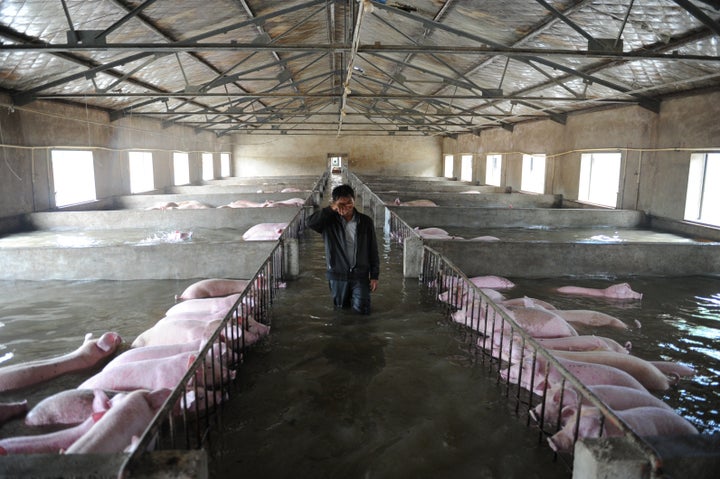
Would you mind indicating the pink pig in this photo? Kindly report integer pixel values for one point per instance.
(87, 356)
(616, 291)
(213, 287)
(128, 417)
(160, 373)
(645, 421)
(264, 231)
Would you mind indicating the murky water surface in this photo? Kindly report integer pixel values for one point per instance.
(115, 237)
(395, 394)
(575, 235)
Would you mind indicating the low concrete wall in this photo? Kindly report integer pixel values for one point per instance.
(236, 218)
(229, 188)
(474, 217)
(537, 260)
(489, 200)
(685, 228)
(431, 186)
(212, 199)
(121, 262)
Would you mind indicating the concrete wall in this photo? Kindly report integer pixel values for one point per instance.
(655, 150)
(29, 133)
(303, 155)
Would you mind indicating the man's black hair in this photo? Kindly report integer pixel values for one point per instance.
(342, 191)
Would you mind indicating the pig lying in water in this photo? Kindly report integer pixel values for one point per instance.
(616, 291)
(128, 416)
(151, 374)
(397, 202)
(645, 421)
(90, 354)
(264, 232)
(213, 288)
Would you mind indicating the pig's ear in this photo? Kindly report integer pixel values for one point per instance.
(101, 402)
(191, 359)
(158, 397)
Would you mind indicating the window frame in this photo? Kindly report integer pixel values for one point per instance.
(75, 183)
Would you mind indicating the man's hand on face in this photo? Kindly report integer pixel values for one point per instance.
(343, 206)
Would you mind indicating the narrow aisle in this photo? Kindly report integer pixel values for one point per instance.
(333, 394)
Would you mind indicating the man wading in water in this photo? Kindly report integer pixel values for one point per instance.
(351, 250)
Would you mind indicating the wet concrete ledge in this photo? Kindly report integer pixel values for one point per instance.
(155, 465)
(696, 457)
(158, 220)
(488, 200)
(483, 217)
(237, 259)
(545, 259)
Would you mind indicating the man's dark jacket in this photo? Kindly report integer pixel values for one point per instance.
(330, 224)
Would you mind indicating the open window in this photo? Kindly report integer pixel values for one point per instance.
(533, 174)
(224, 165)
(181, 168)
(493, 166)
(448, 166)
(141, 171)
(702, 202)
(208, 167)
(73, 176)
(599, 178)
(466, 168)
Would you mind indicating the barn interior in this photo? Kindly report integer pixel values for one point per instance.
(572, 142)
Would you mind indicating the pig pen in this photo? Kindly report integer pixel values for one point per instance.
(118, 244)
(684, 316)
(267, 263)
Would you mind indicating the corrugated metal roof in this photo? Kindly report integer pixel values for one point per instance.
(348, 67)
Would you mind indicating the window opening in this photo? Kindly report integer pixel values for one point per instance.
(208, 168)
(141, 171)
(181, 168)
(492, 170)
(224, 165)
(533, 174)
(73, 176)
(449, 160)
(466, 170)
(702, 202)
(599, 178)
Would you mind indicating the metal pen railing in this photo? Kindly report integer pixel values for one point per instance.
(521, 365)
(187, 416)
(398, 229)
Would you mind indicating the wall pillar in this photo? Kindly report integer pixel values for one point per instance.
(412, 257)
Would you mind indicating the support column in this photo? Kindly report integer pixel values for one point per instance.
(412, 257)
(614, 457)
(291, 251)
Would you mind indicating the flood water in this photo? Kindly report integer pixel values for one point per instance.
(115, 237)
(393, 394)
(575, 235)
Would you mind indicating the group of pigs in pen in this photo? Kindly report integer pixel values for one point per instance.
(110, 410)
(620, 380)
(198, 205)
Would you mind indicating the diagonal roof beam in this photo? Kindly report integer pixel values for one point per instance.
(646, 102)
(700, 15)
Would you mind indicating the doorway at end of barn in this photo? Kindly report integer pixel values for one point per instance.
(336, 161)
